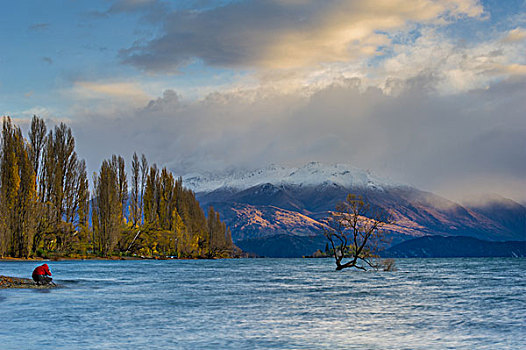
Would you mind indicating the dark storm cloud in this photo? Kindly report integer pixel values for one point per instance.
(228, 35)
(284, 34)
(431, 141)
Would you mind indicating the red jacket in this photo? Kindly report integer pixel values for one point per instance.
(42, 270)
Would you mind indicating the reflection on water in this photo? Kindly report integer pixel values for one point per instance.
(268, 304)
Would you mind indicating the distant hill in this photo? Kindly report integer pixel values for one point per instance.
(266, 208)
(452, 247)
(283, 245)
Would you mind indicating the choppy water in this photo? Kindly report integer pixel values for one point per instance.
(268, 304)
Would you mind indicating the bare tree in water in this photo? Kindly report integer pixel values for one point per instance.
(355, 233)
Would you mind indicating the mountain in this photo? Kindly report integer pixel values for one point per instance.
(313, 173)
(510, 214)
(452, 247)
(272, 208)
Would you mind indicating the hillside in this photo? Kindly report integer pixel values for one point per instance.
(276, 205)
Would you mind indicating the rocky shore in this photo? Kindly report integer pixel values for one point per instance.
(22, 283)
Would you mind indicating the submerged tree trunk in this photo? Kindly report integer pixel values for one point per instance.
(354, 231)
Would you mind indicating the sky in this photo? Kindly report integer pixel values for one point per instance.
(426, 92)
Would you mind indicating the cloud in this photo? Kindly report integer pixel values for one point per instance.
(459, 65)
(436, 142)
(130, 92)
(292, 45)
(515, 35)
(381, 84)
(287, 34)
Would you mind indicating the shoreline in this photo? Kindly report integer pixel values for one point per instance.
(8, 282)
(79, 258)
(112, 258)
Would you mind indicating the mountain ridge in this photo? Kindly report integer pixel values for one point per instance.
(309, 174)
(313, 190)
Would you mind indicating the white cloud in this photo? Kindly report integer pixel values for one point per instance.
(515, 35)
(288, 34)
(432, 141)
(379, 84)
(129, 91)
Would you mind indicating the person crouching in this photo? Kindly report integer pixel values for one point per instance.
(41, 275)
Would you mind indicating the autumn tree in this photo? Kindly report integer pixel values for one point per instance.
(17, 193)
(134, 215)
(37, 141)
(61, 177)
(107, 211)
(151, 197)
(45, 203)
(144, 175)
(83, 207)
(173, 215)
(219, 236)
(160, 215)
(355, 233)
(119, 165)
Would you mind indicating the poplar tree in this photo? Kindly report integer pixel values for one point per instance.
(17, 193)
(144, 174)
(166, 218)
(135, 188)
(83, 206)
(118, 164)
(59, 156)
(220, 238)
(166, 208)
(150, 197)
(37, 140)
(59, 183)
(107, 212)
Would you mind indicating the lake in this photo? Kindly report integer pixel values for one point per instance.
(268, 304)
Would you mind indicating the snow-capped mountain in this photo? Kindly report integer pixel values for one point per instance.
(311, 174)
(278, 211)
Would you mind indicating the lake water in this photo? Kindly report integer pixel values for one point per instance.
(268, 304)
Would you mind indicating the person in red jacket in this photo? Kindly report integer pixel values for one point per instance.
(41, 274)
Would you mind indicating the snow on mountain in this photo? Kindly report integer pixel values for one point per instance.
(311, 174)
(279, 211)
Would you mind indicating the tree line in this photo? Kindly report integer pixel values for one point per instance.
(48, 209)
